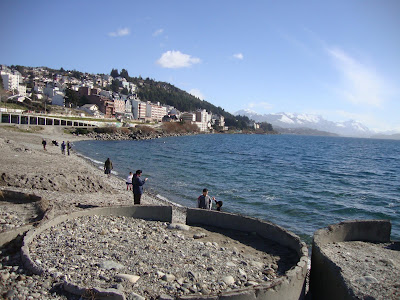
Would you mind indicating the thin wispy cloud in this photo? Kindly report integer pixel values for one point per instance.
(259, 105)
(197, 93)
(238, 56)
(120, 32)
(296, 43)
(361, 84)
(177, 59)
(158, 32)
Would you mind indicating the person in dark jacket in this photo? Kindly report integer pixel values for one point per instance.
(108, 166)
(138, 186)
(204, 201)
(44, 144)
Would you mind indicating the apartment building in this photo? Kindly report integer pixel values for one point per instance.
(188, 117)
(155, 112)
(203, 120)
(119, 106)
(11, 81)
(139, 109)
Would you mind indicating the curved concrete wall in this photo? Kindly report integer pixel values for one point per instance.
(326, 281)
(18, 197)
(290, 286)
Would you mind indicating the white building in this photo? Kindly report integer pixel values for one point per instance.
(50, 91)
(219, 121)
(91, 109)
(11, 82)
(22, 90)
(155, 112)
(139, 109)
(203, 120)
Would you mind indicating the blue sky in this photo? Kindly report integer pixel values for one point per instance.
(338, 59)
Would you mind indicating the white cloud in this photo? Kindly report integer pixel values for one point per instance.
(260, 105)
(238, 56)
(361, 85)
(196, 93)
(158, 32)
(120, 32)
(177, 59)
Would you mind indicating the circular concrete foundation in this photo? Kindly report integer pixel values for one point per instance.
(288, 286)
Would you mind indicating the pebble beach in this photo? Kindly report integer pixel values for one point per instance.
(112, 252)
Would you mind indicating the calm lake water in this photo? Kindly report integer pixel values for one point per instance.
(302, 183)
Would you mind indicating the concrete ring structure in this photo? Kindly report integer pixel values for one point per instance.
(289, 286)
(326, 281)
(18, 197)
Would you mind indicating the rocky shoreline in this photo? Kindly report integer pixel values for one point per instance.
(69, 183)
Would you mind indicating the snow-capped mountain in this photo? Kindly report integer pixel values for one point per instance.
(293, 120)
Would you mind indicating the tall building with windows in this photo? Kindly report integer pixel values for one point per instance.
(139, 109)
(10, 81)
(155, 112)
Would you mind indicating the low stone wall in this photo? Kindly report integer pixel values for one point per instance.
(290, 286)
(326, 281)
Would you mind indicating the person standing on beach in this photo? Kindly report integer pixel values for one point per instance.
(129, 181)
(44, 143)
(204, 201)
(108, 167)
(69, 147)
(138, 187)
(63, 148)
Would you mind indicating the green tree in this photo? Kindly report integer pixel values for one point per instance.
(82, 100)
(266, 126)
(115, 85)
(124, 74)
(125, 91)
(76, 74)
(71, 97)
(114, 73)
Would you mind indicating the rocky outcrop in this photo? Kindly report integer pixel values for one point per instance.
(139, 135)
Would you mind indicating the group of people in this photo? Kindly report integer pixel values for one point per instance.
(64, 146)
(205, 202)
(135, 183)
(67, 146)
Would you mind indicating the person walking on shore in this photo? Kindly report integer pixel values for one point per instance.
(63, 148)
(108, 166)
(129, 181)
(138, 187)
(44, 143)
(204, 201)
(69, 147)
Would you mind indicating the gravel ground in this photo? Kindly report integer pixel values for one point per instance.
(371, 270)
(150, 258)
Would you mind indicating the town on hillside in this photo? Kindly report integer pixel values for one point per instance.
(96, 95)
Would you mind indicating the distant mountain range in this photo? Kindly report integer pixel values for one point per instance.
(309, 124)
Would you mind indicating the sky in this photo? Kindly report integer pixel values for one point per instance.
(337, 59)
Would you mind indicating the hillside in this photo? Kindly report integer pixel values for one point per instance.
(166, 93)
(147, 90)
